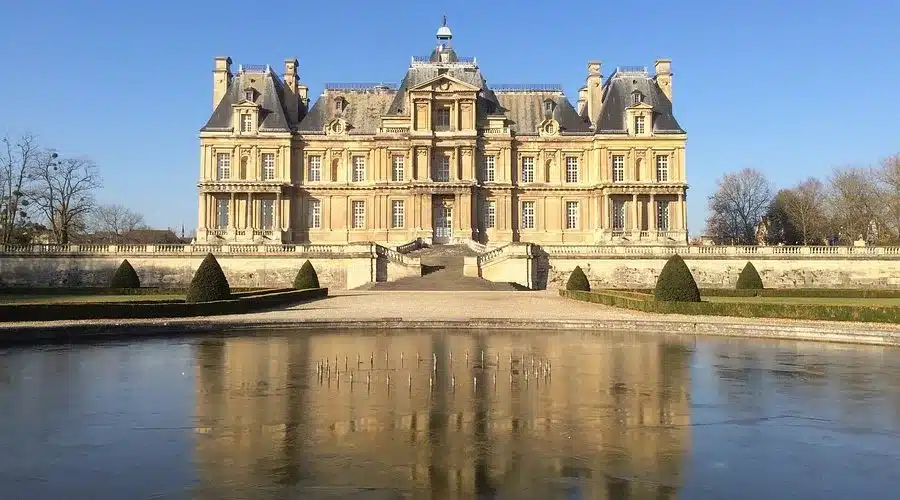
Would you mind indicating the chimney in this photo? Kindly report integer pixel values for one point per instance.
(582, 100)
(594, 84)
(221, 79)
(663, 70)
(291, 82)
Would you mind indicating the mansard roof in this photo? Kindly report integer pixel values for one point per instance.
(270, 90)
(617, 97)
(362, 108)
(525, 109)
(465, 72)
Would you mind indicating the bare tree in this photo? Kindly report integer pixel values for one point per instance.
(115, 221)
(63, 191)
(19, 158)
(740, 201)
(852, 198)
(888, 177)
(805, 205)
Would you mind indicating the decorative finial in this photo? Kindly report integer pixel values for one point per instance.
(445, 20)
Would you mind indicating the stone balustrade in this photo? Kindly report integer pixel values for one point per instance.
(239, 249)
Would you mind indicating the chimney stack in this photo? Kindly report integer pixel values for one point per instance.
(221, 79)
(663, 70)
(582, 100)
(291, 82)
(594, 84)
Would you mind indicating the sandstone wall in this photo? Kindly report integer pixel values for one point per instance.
(177, 271)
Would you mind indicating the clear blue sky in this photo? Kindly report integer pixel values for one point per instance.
(793, 88)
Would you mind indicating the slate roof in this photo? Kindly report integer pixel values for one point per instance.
(617, 96)
(362, 109)
(270, 98)
(526, 111)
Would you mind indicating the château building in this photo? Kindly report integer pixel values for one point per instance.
(444, 156)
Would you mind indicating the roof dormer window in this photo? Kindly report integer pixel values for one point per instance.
(637, 97)
(248, 94)
(548, 106)
(338, 104)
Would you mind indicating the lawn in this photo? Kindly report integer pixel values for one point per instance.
(55, 299)
(825, 301)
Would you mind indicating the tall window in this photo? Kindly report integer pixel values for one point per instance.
(223, 166)
(242, 173)
(571, 215)
(335, 163)
(638, 124)
(442, 169)
(398, 214)
(527, 169)
(527, 215)
(267, 214)
(618, 168)
(359, 214)
(662, 168)
(442, 118)
(315, 214)
(315, 168)
(359, 169)
(662, 215)
(246, 123)
(222, 213)
(571, 169)
(397, 167)
(490, 214)
(618, 215)
(488, 167)
(268, 166)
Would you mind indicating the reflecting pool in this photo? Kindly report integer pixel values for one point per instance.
(426, 414)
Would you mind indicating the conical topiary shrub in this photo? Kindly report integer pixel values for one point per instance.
(676, 283)
(749, 279)
(209, 282)
(125, 277)
(578, 281)
(306, 277)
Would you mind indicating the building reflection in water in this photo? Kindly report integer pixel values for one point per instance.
(567, 415)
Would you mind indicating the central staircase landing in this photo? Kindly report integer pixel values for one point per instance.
(442, 270)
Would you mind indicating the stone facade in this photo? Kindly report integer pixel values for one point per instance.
(443, 157)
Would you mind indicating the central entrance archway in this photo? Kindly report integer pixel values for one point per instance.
(442, 211)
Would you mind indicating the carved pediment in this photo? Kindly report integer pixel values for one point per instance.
(338, 126)
(445, 83)
(641, 106)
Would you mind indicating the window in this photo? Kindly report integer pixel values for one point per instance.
(488, 167)
(638, 124)
(548, 107)
(527, 169)
(248, 94)
(268, 166)
(334, 169)
(397, 214)
(490, 214)
(359, 169)
(662, 168)
(242, 174)
(637, 98)
(618, 168)
(223, 166)
(246, 123)
(662, 215)
(315, 214)
(359, 214)
(315, 168)
(338, 104)
(267, 214)
(571, 215)
(571, 169)
(222, 213)
(397, 167)
(527, 215)
(442, 169)
(442, 118)
(618, 215)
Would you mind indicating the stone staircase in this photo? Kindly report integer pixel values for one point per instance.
(442, 269)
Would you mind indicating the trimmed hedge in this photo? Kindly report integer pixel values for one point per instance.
(209, 282)
(578, 281)
(749, 279)
(306, 277)
(837, 293)
(125, 277)
(676, 283)
(44, 291)
(815, 312)
(239, 304)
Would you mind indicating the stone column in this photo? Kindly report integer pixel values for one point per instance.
(651, 207)
(679, 219)
(251, 224)
(636, 217)
(232, 213)
(605, 217)
(277, 215)
(202, 213)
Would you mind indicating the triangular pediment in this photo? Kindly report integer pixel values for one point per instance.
(445, 83)
(245, 103)
(640, 106)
